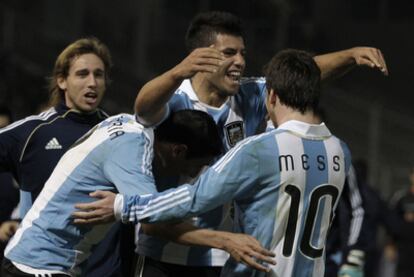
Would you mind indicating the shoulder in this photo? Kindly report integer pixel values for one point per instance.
(249, 84)
(29, 123)
(125, 126)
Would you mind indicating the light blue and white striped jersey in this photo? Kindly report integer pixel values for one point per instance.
(238, 118)
(115, 155)
(286, 184)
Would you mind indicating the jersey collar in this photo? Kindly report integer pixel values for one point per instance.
(310, 131)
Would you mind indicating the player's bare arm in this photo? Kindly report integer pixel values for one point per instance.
(153, 96)
(335, 64)
(243, 248)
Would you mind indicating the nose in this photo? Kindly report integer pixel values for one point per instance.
(92, 80)
(239, 60)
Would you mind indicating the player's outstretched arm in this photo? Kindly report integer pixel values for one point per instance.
(151, 100)
(242, 248)
(336, 64)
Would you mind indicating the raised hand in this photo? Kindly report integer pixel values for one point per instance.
(369, 56)
(207, 59)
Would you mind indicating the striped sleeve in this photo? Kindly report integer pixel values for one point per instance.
(234, 176)
(357, 211)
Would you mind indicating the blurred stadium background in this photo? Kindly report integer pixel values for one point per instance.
(372, 113)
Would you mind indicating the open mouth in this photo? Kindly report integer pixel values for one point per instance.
(234, 76)
(91, 97)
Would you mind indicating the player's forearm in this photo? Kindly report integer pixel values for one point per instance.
(335, 64)
(188, 234)
(154, 95)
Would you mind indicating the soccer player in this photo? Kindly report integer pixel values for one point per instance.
(117, 155)
(30, 148)
(286, 183)
(210, 79)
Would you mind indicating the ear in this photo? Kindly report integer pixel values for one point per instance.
(179, 151)
(61, 82)
(272, 97)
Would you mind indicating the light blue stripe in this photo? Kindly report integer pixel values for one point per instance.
(26, 202)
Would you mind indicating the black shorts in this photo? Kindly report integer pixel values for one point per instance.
(9, 270)
(147, 267)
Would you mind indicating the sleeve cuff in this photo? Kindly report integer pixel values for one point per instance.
(118, 206)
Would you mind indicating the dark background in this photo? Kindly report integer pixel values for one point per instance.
(372, 113)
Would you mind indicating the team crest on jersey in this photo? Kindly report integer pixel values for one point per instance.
(234, 132)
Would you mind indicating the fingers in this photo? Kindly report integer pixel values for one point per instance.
(249, 261)
(263, 258)
(91, 217)
(99, 194)
(104, 196)
(80, 221)
(382, 61)
(85, 215)
(371, 57)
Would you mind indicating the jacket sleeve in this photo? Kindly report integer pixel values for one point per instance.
(11, 143)
(352, 213)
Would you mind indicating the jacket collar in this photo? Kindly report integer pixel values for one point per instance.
(87, 118)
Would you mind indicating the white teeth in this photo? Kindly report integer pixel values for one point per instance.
(234, 74)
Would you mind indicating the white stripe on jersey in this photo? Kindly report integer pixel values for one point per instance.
(147, 157)
(160, 204)
(287, 144)
(42, 116)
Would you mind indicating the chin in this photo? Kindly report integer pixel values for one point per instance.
(88, 109)
(231, 90)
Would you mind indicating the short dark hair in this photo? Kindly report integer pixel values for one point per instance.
(295, 77)
(196, 129)
(206, 26)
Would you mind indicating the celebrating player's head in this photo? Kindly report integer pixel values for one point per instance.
(185, 142)
(80, 75)
(223, 31)
(205, 27)
(293, 81)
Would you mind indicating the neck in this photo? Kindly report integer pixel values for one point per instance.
(284, 114)
(206, 92)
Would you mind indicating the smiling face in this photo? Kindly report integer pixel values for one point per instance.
(227, 78)
(85, 84)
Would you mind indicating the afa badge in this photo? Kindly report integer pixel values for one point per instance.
(234, 132)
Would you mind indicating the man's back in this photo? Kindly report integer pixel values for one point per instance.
(301, 172)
